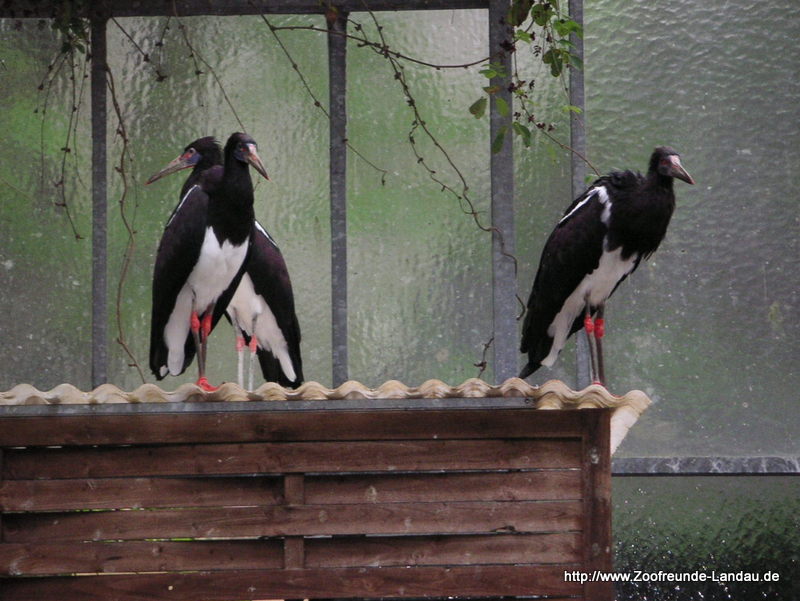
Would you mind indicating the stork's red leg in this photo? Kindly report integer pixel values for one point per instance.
(204, 330)
(599, 332)
(240, 344)
(253, 349)
(194, 326)
(588, 325)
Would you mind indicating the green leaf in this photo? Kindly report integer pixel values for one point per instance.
(497, 144)
(523, 132)
(541, 14)
(571, 108)
(502, 106)
(554, 58)
(493, 70)
(492, 89)
(478, 107)
(564, 27)
(523, 36)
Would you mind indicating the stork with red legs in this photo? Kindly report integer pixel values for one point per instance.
(600, 240)
(201, 256)
(262, 309)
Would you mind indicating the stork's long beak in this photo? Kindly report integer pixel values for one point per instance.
(184, 161)
(677, 170)
(253, 158)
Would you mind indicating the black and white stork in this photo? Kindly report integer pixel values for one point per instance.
(263, 314)
(603, 235)
(201, 256)
(263, 302)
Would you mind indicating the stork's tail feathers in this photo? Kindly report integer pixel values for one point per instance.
(528, 370)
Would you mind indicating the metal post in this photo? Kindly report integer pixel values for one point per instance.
(337, 73)
(577, 129)
(504, 281)
(99, 203)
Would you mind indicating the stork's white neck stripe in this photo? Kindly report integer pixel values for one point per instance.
(180, 204)
(265, 232)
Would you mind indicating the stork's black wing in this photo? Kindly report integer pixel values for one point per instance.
(177, 255)
(571, 252)
(267, 269)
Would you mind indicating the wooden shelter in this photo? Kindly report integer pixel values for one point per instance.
(345, 496)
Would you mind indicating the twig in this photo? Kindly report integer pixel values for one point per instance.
(317, 102)
(483, 363)
(53, 70)
(131, 243)
(195, 57)
(145, 56)
(363, 41)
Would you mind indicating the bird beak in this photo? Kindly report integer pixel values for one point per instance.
(253, 158)
(182, 162)
(677, 170)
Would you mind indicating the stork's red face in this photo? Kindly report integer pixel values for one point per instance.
(671, 165)
(188, 159)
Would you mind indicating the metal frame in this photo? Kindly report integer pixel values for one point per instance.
(502, 196)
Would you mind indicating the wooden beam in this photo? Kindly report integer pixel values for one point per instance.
(293, 546)
(125, 425)
(484, 581)
(162, 492)
(404, 519)
(49, 558)
(279, 458)
(597, 551)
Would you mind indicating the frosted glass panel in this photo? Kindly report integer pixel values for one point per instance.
(705, 327)
(420, 269)
(45, 260)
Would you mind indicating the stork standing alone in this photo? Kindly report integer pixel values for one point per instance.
(601, 239)
(263, 302)
(200, 259)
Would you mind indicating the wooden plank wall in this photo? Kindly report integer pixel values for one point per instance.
(294, 504)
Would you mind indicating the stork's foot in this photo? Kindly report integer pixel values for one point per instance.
(203, 383)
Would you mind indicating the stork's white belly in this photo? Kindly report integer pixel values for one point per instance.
(253, 315)
(595, 288)
(216, 267)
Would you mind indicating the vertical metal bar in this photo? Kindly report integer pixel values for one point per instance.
(577, 135)
(99, 203)
(337, 74)
(504, 281)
